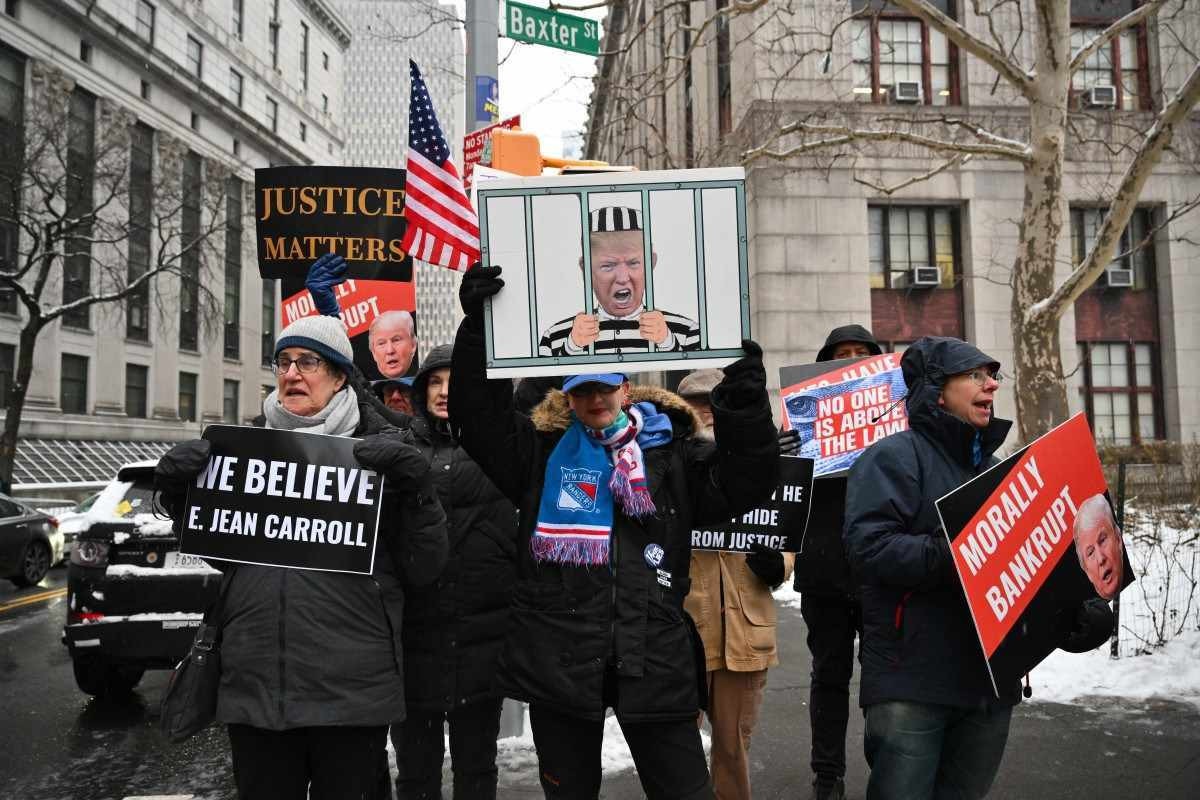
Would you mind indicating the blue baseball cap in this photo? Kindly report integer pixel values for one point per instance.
(606, 378)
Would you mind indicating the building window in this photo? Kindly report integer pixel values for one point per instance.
(73, 384)
(145, 90)
(229, 403)
(145, 21)
(273, 115)
(141, 211)
(235, 87)
(233, 268)
(10, 7)
(8, 364)
(304, 56)
(1085, 224)
(237, 18)
(325, 103)
(187, 396)
(889, 49)
(1120, 391)
(273, 26)
(189, 261)
(195, 121)
(303, 132)
(195, 57)
(268, 322)
(136, 381)
(85, 51)
(905, 237)
(325, 61)
(724, 82)
(81, 157)
(1121, 63)
(12, 149)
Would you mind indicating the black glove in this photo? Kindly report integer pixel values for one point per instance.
(395, 459)
(177, 469)
(745, 382)
(325, 273)
(767, 564)
(477, 285)
(789, 442)
(1085, 627)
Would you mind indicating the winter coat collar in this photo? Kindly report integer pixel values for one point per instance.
(553, 415)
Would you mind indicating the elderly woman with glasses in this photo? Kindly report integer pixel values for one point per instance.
(311, 662)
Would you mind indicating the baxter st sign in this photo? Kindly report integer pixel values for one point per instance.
(553, 29)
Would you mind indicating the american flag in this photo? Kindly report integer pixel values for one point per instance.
(443, 228)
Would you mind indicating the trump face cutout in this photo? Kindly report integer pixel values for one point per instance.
(1099, 547)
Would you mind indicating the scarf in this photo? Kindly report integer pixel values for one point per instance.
(587, 472)
(339, 417)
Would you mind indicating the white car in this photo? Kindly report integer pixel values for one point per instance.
(118, 500)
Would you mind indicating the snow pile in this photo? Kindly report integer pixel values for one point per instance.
(134, 570)
(786, 596)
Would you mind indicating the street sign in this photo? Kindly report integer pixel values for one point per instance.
(476, 143)
(552, 28)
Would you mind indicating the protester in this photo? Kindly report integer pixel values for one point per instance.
(311, 661)
(731, 604)
(1098, 546)
(934, 726)
(609, 480)
(621, 323)
(395, 393)
(454, 628)
(828, 602)
(392, 340)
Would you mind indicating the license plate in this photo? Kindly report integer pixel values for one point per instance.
(184, 560)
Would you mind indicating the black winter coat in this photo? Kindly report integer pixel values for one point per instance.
(454, 628)
(303, 648)
(569, 623)
(918, 642)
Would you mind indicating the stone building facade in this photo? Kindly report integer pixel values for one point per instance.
(828, 248)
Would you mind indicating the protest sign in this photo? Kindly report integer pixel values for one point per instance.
(616, 273)
(303, 213)
(283, 499)
(777, 524)
(1032, 538)
(477, 147)
(841, 408)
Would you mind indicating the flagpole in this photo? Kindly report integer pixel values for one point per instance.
(482, 32)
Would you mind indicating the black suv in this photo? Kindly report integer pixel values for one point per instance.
(133, 600)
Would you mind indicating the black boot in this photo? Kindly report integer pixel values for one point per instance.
(825, 788)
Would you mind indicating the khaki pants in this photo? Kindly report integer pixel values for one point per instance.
(733, 702)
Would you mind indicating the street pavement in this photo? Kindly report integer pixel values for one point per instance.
(59, 743)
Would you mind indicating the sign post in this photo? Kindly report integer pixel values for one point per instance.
(535, 25)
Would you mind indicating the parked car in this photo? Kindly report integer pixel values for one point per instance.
(133, 600)
(117, 500)
(29, 542)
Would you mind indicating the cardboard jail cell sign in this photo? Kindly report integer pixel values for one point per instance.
(1032, 538)
(604, 273)
(778, 524)
(841, 408)
(283, 499)
(302, 213)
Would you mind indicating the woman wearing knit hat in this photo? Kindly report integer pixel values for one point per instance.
(609, 481)
(311, 661)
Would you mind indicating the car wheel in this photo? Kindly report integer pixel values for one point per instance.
(34, 565)
(97, 677)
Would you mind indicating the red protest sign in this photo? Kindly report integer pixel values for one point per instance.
(474, 143)
(1019, 552)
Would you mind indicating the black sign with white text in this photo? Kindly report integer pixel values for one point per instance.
(283, 499)
(777, 524)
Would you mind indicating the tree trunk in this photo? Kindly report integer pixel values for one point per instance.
(1042, 399)
(16, 400)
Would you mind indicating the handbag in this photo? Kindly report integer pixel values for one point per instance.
(189, 703)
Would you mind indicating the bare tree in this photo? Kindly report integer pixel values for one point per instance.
(1031, 119)
(71, 218)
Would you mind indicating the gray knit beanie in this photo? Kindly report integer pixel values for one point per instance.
(325, 336)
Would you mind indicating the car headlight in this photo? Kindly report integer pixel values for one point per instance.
(89, 553)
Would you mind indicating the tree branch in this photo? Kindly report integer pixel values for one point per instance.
(1135, 17)
(890, 190)
(842, 134)
(1130, 189)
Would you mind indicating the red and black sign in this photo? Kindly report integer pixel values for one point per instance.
(1032, 538)
(778, 524)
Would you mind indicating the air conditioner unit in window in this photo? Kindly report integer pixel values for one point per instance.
(1103, 96)
(1118, 277)
(925, 276)
(906, 92)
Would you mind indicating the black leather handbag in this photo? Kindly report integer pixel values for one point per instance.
(189, 704)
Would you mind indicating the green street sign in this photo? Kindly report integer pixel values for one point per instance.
(552, 28)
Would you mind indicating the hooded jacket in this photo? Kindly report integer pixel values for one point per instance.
(918, 642)
(454, 628)
(572, 624)
(303, 648)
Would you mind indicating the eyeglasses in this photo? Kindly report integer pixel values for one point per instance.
(306, 364)
(980, 376)
(588, 389)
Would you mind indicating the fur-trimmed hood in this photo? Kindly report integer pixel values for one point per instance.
(553, 414)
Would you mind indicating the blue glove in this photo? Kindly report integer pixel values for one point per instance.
(326, 272)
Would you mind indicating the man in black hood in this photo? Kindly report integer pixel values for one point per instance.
(828, 604)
